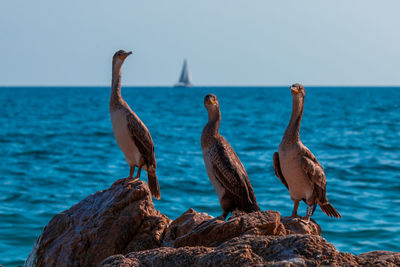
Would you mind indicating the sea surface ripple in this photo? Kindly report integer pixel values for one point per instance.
(57, 147)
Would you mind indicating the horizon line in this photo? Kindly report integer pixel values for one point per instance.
(196, 86)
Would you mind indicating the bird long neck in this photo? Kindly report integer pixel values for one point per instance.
(116, 97)
(212, 126)
(214, 120)
(292, 133)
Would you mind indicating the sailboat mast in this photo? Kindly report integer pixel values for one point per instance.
(185, 79)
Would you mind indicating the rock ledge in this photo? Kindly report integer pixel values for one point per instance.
(120, 227)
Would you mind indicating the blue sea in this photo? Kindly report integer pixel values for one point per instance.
(57, 147)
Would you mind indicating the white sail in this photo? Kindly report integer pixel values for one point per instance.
(185, 80)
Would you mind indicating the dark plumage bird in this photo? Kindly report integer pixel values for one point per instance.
(296, 166)
(131, 134)
(224, 168)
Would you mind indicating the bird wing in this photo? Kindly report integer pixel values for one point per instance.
(141, 136)
(229, 171)
(315, 173)
(278, 171)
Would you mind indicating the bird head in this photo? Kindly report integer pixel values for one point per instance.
(298, 90)
(120, 56)
(211, 102)
(212, 106)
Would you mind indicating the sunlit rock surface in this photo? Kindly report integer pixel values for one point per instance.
(120, 227)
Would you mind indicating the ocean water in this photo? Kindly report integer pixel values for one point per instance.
(57, 147)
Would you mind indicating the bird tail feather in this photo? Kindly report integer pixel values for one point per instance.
(248, 206)
(329, 210)
(153, 184)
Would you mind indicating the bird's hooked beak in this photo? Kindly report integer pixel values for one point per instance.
(125, 55)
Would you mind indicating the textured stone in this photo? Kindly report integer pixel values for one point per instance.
(299, 226)
(120, 227)
(218, 231)
(248, 250)
(380, 258)
(184, 225)
(118, 220)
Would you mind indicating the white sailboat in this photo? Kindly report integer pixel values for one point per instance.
(185, 80)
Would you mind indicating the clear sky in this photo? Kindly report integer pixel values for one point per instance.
(257, 42)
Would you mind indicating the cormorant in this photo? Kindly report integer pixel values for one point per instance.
(297, 167)
(131, 134)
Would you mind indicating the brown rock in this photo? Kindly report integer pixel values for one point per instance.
(183, 225)
(187, 256)
(299, 226)
(122, 220)
(248, 250)
(380, 258)
(256, 239)
(213, 234)
(120, 261)
(118, 220)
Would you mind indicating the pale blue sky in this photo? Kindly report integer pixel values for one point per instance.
(257, 42)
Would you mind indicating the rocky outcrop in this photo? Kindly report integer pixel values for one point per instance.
(380, 258)
(252, 250)
(212, 232)
(183, 226)
(118, 220)
(299, 226)
(121, 223)
(247, 250)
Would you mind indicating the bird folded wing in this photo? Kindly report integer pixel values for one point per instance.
(141, 137)
(314, 171)
(230, 172)
(278, 171)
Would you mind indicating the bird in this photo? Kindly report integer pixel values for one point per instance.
(297, 167)
(132, 136)
(224, 168)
